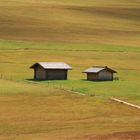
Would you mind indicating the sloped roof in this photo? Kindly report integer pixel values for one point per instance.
(97, 69)
(52, 65)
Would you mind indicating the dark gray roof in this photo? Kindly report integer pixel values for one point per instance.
(97, 69)
(52, 65)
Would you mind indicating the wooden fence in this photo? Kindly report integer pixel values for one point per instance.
(124, 102)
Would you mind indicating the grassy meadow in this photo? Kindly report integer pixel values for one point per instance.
(82, 34)
(18, 57)
(38, 110)
(30, 111)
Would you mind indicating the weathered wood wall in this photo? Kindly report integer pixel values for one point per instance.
(105, 75)
(40, 73)
(92, 76)
(57, 74)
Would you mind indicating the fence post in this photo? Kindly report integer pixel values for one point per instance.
(72, 89)
(1, 76)
(11, 78)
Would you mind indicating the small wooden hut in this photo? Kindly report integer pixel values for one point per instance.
(100, 73)
(50, 70)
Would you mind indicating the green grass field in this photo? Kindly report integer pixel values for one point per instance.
(82, 34)
(19, 56)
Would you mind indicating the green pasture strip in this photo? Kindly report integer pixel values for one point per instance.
(19, 45)
(16, 87)
(122, 89)
(127, 90)
(15, 65)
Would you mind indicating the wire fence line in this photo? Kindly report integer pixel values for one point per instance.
(5, 77)
(72, 89)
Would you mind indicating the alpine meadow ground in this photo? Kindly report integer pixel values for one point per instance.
(82, 34)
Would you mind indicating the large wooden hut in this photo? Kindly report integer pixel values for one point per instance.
(99, 73)
(50, 70)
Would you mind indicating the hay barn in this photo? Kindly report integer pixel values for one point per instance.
(100, 73)
(50, 70)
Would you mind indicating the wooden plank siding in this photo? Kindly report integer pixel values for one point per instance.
(50, 70)
(103, 75)
(52, 74)
(92, 76)
(100, 73)
(56, 74)
(40, 73)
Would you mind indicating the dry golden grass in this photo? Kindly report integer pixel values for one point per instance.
(19, 61)
(112, 22)
(30, 114)
(36, 111)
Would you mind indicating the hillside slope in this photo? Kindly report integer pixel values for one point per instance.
(98, 21)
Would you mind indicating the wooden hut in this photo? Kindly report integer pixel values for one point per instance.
(50, 70)
(99, 73)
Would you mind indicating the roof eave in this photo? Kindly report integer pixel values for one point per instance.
(89, 72)
(58, 68)
(114, 72)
